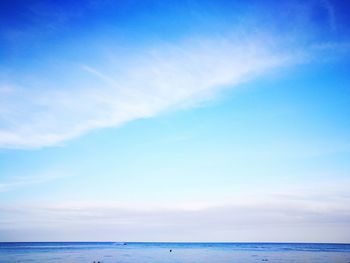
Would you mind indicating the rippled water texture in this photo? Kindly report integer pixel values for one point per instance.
(180, 252)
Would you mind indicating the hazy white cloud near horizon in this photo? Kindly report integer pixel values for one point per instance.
(260, 219)
(263, 215)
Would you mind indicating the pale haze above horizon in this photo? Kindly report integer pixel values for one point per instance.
(203, 121)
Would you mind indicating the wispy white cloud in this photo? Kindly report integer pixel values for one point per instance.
(152, 81)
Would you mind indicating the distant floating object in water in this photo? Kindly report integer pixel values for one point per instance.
(170, 250)
(124, 244)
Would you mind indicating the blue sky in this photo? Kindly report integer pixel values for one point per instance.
(174, 121)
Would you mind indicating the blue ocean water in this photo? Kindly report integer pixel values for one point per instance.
(138, 252)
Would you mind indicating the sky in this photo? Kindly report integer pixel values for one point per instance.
(216, 121)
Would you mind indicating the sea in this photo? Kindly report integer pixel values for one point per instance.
(147, 252)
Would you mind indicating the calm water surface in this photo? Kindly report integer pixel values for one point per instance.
(111, 252)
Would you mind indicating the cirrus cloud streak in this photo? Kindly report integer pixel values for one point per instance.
(155, 79)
